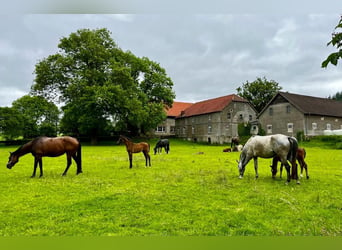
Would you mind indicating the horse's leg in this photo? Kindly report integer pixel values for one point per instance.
(256, 167)
(274, 167)
(40, 161)
(281, 170)
(130, 159)
(147, 158)
(306, 169)
(288, 171)
(295, 170)
(79, 170)
(34, 167)
(68, 164)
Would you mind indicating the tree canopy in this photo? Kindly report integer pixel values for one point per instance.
(99, 85)
(337, 96)
(40, 117)
(259, 92)
(335, 41)
(29, 117)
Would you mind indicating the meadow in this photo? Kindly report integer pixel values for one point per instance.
(192, 191)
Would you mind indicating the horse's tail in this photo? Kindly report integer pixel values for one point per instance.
(79, 158)
(292, 155)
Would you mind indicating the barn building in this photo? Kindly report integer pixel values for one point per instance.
(289, 114)
(214, 120)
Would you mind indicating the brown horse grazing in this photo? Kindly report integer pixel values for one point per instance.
(51, 147)
(136, 148)
(301, 154)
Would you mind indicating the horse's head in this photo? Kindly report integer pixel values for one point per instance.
(12, 160)
(121, 139)
(273, 170)
(241, 164)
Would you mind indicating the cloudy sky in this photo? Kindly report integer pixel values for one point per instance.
(206, 55)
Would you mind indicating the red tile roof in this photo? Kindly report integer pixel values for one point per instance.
(211, 105)
(177, 108)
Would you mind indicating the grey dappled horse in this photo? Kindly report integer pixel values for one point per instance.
(285, 147)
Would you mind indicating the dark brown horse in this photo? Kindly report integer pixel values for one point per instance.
(51, 147)
(235, 141)
(301, 154)
(136, 148)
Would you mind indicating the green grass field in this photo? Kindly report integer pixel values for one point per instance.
(183, 193)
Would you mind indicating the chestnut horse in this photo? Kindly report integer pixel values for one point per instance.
(136, 148)
(301, 154)
(51, 147)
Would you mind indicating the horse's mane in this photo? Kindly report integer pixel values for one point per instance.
(125, 137)
(35, 140)
(18, 150)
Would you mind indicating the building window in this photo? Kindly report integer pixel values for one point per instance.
(250, 118)
(269, 129)
(209, 129)
(183, 130)
(193, 130)
(328, 126)
(288, 109)
(270, 111)
(314, 125)
(290, 127)
(209, 117)
(160, 129)
(241, 116)
(229, 115)
(172, 129)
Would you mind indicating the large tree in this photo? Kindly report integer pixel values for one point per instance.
(11, 123)
(335, 41)
(259, 92)
(40, 116)
(99, 85)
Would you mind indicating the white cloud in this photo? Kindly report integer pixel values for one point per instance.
(205, 55)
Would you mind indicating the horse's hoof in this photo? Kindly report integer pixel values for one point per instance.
(298, 182)
(240, 177)
(307, 177)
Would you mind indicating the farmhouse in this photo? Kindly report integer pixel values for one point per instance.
(167, 128)
(214, 120)
(289, 114)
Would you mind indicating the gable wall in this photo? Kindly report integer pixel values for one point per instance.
(218, 127)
